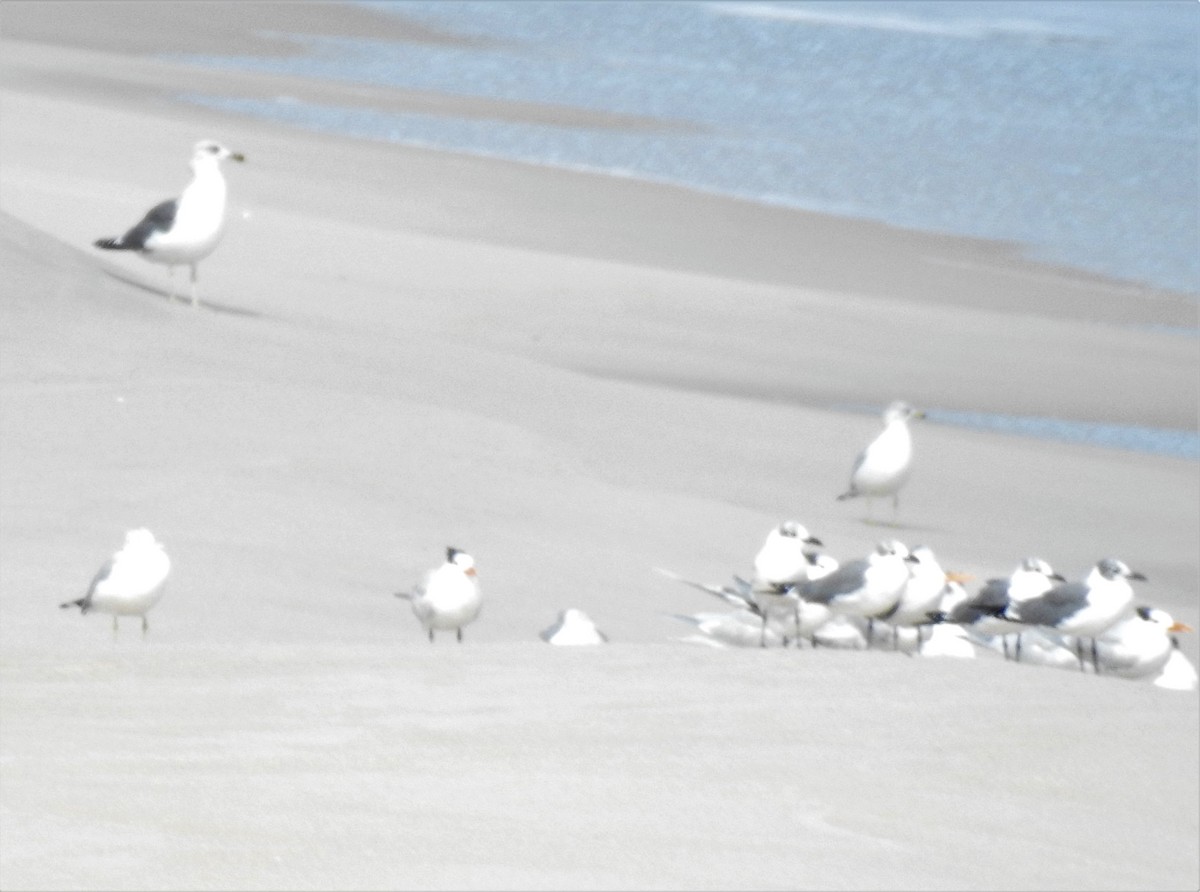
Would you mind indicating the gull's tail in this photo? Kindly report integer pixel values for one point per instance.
(114, 244)
(83, 604)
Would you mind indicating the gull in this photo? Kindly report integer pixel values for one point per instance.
(186, 229)
(781, 562)
(783, 559)
(922, 593)
(882, 468)
(573, 627)
(867, 587)
(981, 614)
(130, 582)
(1080, 609)
(1139, 645)
(448, 598)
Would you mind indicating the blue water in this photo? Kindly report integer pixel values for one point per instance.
(1069, 127)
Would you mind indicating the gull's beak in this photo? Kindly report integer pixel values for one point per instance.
(1180, 627)
(960, 578)
(470, 571)
(238, 156)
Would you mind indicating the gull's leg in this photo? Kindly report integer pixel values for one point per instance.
(762, 634)
(431, 634)
(114, 627)
(195, 302)
(145, 625)
(1079, 653)
(1095, 657)
(458, 634)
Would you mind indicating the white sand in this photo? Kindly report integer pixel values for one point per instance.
(576, 380)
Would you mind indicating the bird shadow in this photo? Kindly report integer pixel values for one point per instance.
(163, 294)
(897, 525)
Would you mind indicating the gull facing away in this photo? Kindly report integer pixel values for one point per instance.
(186, 229)
(448, 598)
(882, 468)
(130, 582)
(573, 627)
(1081, 609)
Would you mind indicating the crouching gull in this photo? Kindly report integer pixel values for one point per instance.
(573, 628)
(130, 582)
(1139, 645)
(448, 598)
(186, 229)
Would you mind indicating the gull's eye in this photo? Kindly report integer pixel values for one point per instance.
(212, 150)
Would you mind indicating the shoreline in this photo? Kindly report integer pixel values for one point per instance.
(577, 380)
(791, 243)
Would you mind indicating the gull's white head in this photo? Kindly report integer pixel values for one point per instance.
(140, 538)
(791, 529)
(892, 548)
(209, 151)
(1111, 568)
(900, 411)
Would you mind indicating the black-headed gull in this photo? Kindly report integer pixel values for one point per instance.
(1081, 609)
(867, 587)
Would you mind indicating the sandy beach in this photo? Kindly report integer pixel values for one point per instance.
(577, 379)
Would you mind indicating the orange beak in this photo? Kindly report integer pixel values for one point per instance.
(470, 571)
(960, 578)
(1180, 627)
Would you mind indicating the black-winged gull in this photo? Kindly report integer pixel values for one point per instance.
(1081, 609)
(186, 229)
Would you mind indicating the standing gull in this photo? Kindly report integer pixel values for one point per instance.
(186, 229)
(922, 594)
(780, 563)
(130, 582)
(1080, 609)
(882, 468)
(867, 587)
(981, 614)
(448, 598)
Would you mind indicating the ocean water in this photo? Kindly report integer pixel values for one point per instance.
(1068, 126)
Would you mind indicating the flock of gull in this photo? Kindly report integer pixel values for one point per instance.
(896, 597)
